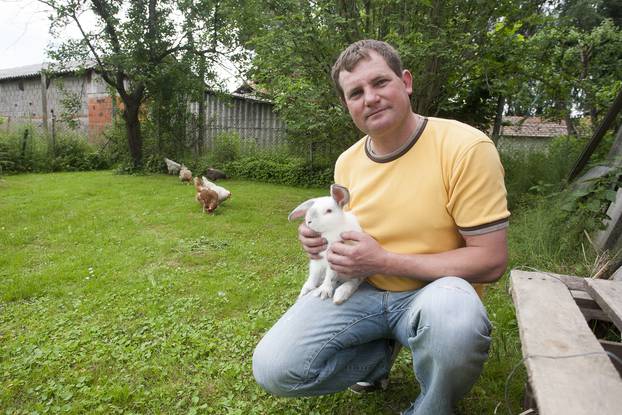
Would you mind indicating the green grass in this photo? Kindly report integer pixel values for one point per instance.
(119, 296)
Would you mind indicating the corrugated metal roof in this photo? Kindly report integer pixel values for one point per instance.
(21, 71)
(30, 71)
(515, 126)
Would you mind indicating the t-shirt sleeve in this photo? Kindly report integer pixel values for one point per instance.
(338, 175)
(477, 195)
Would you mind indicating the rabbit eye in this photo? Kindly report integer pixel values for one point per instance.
(329, 211)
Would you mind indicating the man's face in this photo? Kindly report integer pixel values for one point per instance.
(377, 99)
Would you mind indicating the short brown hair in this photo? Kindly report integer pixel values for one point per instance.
(358, 51)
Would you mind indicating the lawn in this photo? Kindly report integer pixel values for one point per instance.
(118, 295)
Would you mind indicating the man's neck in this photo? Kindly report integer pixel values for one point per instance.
(394, 139)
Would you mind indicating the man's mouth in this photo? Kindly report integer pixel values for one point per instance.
(378, 111)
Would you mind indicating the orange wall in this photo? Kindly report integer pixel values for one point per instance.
(100, 116)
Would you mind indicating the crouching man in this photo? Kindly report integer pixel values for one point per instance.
(430, 197)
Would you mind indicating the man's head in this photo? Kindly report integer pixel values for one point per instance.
(375, 90)
(358, 51)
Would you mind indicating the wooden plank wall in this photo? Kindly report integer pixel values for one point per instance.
(252, 119)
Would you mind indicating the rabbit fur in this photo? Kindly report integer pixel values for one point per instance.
(326, 216)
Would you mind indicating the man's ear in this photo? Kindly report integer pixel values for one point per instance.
(407, 78)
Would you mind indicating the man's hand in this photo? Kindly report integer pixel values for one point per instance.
(312, 242)
(358, 256)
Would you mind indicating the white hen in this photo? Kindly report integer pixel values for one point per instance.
(172, 166)
(223, 193)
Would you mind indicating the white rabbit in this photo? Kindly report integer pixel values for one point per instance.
(223, 193)
(326, 216)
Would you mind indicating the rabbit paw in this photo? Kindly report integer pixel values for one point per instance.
(306, 289)
(324, 291)
(340, 296)
(342, 293)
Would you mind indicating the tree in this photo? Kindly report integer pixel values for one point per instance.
(572, 71)
(463, 56)
(136, 44)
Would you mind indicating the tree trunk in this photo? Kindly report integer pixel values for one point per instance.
(134, 138)
(496, 128)
(570, 125)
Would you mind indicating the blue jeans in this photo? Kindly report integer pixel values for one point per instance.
(318, 347)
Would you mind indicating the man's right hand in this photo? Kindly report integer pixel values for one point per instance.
(312, 241)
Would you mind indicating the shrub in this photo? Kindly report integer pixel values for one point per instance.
(26, 150)
(226, 147)
(72, 153)
(290, 171)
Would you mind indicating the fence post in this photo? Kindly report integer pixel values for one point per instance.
(44, 102)
(24, 139)
(53, 142)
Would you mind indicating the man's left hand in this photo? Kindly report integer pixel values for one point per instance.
(358, 255)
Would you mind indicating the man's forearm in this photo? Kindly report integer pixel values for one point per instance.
(474, 264)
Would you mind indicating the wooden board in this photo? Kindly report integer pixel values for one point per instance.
(608, 295)
(551, 324)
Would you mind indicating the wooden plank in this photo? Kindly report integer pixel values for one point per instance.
(608, 295)
(584, 300)
(591, 314)
(572, 282)
(614, 348)
(552, 331)
(617, 275)
(590, 308)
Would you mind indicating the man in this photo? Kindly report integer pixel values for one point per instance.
(430, 197)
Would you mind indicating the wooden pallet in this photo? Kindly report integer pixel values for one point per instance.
(569, 372)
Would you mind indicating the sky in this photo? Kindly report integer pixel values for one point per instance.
(23, 33)
(24, 37)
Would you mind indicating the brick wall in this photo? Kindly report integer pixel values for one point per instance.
(99, 115)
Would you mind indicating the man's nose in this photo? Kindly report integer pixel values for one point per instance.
(371, 96)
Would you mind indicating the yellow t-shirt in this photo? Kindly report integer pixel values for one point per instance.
(447, 181)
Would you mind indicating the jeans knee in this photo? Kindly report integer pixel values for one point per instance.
(452, 316)
(272, 373)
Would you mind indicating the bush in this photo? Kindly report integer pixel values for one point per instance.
(290, 171)
(26, 150)
(75, 154)
(226, 147)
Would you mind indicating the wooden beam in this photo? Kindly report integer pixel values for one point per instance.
(608, 295)
(614, 348)
(598, 135)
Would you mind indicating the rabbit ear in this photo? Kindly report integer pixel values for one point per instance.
(301, 209)
(340, 194)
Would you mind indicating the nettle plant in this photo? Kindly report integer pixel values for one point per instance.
(587, 205)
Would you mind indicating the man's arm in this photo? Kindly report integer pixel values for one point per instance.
(483, 259)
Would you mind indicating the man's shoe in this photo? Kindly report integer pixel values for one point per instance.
(361, 388)
(381, 384)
